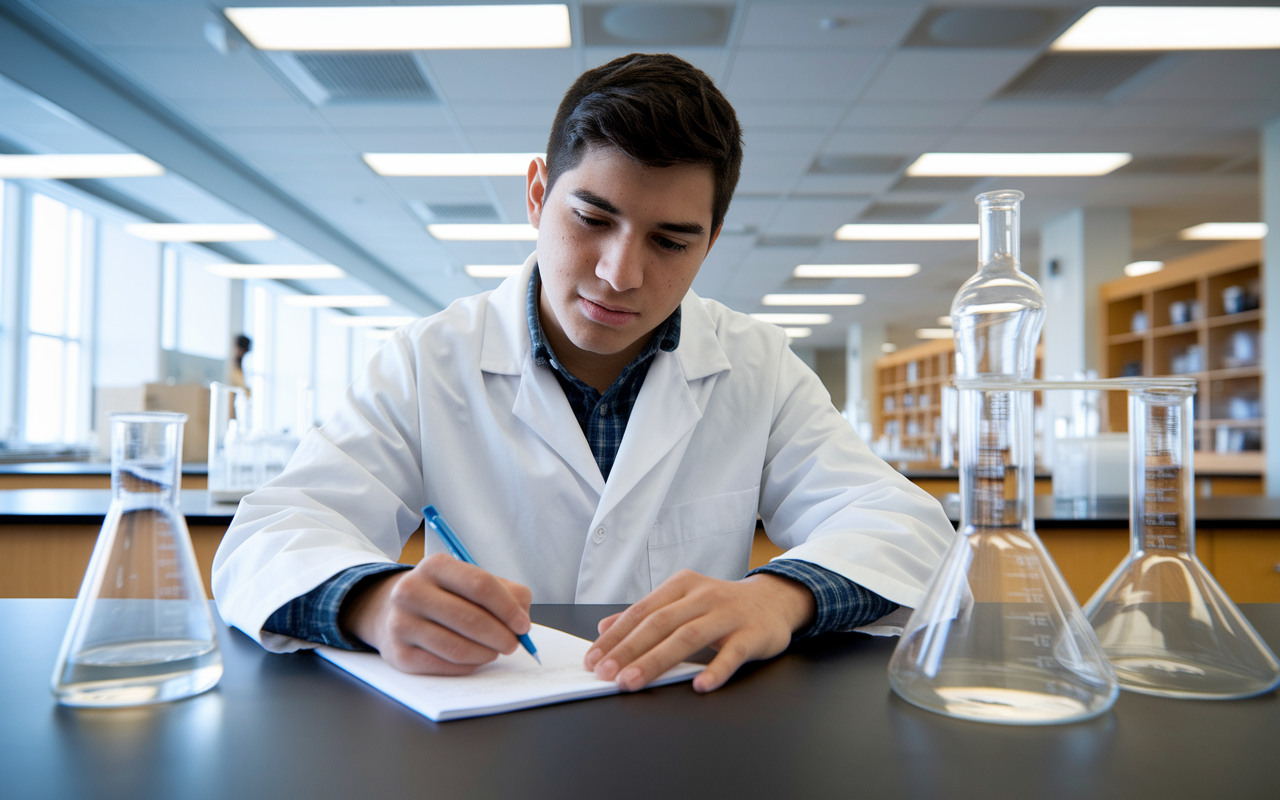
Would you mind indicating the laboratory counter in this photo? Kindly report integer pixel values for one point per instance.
(819, 721)
(82, 475)
(47, 535)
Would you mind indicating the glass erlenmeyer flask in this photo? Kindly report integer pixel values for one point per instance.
(999, 636)
(140, 631)
(1165, 623)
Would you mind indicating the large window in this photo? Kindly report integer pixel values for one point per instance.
(58, 238)
(89, 314)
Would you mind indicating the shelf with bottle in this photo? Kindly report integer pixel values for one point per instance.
(1199, 317)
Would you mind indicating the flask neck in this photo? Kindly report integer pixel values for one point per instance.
(998, 235)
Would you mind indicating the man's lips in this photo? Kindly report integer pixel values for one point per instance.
(605, 314)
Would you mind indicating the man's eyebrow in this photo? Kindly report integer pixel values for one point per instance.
(588, 196)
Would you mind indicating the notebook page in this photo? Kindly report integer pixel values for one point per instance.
(506, 684)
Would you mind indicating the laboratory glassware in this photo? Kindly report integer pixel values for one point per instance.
(1164, 622)
(999, 637)
(140, 631)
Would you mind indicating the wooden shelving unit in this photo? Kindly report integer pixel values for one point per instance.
(909, 395)
(1217, 344)
(908, 399)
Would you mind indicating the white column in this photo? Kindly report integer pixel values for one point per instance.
(1079, 251)
(1271, 302)
(862, 348)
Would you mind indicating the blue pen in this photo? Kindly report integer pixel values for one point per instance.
(437, 522)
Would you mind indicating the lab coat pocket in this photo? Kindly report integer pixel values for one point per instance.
(711, 536)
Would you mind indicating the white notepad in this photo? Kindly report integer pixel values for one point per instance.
(507, 684)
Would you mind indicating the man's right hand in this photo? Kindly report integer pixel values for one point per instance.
(443, 617)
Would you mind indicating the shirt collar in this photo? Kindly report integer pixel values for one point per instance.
(665, 337)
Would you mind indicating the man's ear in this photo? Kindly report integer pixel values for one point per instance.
(535, 190)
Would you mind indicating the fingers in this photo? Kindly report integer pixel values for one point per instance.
(651, 661)
(425, 602)
(732, 655)
(621, 625)
(604, 624)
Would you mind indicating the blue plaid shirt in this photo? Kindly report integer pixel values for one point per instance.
(841, 604)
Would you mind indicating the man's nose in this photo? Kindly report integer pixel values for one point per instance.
(622, 264)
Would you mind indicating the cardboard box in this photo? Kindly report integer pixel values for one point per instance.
(191, 399)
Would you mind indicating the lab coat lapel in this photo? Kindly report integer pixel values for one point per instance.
(670, 404)
(540, 402)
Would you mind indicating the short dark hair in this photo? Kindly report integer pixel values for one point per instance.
(658, 109)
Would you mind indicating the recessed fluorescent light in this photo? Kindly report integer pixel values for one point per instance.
(58, 167)
(1017, 164)
(888, 347)
(1225, 231)
(876, 232)
(798, 333)
(1137, 268)
(450, 164)
(492, 270)
(337, 300)
(1172, 28)
(372, 322)
(484, 233)
(404, 27)
(794, 319)
(855, 270)
(933, 333)
(814, 299)
(178, 232)
(277, 272)
(944, 321)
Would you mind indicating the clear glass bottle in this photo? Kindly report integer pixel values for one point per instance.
(141, 631)
(1166, 625)
(999, 636)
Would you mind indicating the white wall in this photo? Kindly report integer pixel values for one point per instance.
(128, 313)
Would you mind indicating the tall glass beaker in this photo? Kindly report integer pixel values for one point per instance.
(1165, 623)
(141, 631)
(999, 636)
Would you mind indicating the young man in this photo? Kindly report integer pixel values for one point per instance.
(596, 433)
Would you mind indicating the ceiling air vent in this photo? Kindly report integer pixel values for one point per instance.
(1073, 76)
(356, 77)
(454, 212)
(936, 185)
(839, 164)
(899, 212)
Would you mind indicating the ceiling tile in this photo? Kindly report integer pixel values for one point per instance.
(788, 115)
(949, 75)
(774, 140)
(886, 141)
(484, 115)
(199, 73)
(391, 115)
(502, 74)
(802, 25)
(815, 216)
(134, 24)
(402, 140)
(780, 74)
(844, 184)
(1035, 116)
(882, 114)
(217, 114)
(1246, 75)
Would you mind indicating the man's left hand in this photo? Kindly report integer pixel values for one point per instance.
(743, 620)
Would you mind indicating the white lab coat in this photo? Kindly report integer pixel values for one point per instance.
(452, 411)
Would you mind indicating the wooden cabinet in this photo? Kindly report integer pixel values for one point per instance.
(1200, 316)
